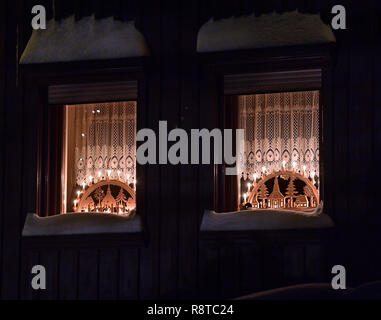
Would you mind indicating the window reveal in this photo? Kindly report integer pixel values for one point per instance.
(99, 158)
(279, 158)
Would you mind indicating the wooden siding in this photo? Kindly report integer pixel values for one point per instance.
(177, 262)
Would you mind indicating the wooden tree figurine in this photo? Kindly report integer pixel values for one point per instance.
(99, 195)
(263, 194)
(291, 191)
(121, 198)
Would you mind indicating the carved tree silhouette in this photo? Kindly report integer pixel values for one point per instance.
(121, 198)
(263, 192)
(291, 191)
(99, 195)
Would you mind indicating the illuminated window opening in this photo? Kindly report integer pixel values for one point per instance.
(279, 163)
(98, 172)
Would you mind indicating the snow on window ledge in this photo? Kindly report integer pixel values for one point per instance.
(86, 39)
(80, 223)
(268, 30)
(265, 219)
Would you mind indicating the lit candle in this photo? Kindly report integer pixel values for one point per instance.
(135, 184)
(75, 202)
(304, 170)
(118, 174)
(255, 176)
(108, 173)
(99, 175)
(284, 164)
(264, 170)
(78, 193)
(90, 180)
(83, 185)
(313, 177)
(248, 186)
(244, 198)
(294, 165)
(128, 178)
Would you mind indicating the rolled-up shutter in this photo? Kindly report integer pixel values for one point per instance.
(267, 82)
(93, 92)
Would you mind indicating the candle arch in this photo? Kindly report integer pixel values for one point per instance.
(92, 188)
(292, 176)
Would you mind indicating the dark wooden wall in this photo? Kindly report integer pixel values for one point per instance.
(177, 262)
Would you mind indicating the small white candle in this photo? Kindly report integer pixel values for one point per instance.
(99, 174)
(78, 193)
(128, 178)
(294, 165)
(135, 184)
(284, 164)
(264, 170)
(75, 202)
(313, 176)
(244, 198)
(304, 170)
(248, 186)
(255, 176)
(108, 173)
(83, 185)
(118, 173)
(90, 180)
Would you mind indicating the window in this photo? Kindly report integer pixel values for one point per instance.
(87, 148)
(278, 161)
(280, 153)
(98, 164)
(91, 163)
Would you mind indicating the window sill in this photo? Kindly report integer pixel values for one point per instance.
(80, 223)
(83, 229)
(262, 220)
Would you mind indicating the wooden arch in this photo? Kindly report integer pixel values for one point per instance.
(106, 182)
(291, 175)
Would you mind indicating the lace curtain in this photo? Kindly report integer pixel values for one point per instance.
(105, 141)
(279, 127)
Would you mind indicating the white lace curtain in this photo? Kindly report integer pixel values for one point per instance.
(105, 141)
(279, 127)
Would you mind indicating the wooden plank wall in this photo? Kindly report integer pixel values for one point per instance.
(175, 264)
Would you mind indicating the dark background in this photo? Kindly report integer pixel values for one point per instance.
(176, 263)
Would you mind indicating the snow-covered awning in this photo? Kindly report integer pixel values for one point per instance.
(267, 30)
(85, 39)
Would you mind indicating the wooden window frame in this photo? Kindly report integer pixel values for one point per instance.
(271, 60)
(36, 81)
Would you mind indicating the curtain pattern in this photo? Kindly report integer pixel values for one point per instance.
(105, 141)
(279, 127)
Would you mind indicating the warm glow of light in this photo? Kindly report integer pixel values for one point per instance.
(255, 177)
(312, 174)
(78, 193)
(109, 172)
(248, 186)
(284, 163)
(99, 174)
(294, 165)
(263, 169)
